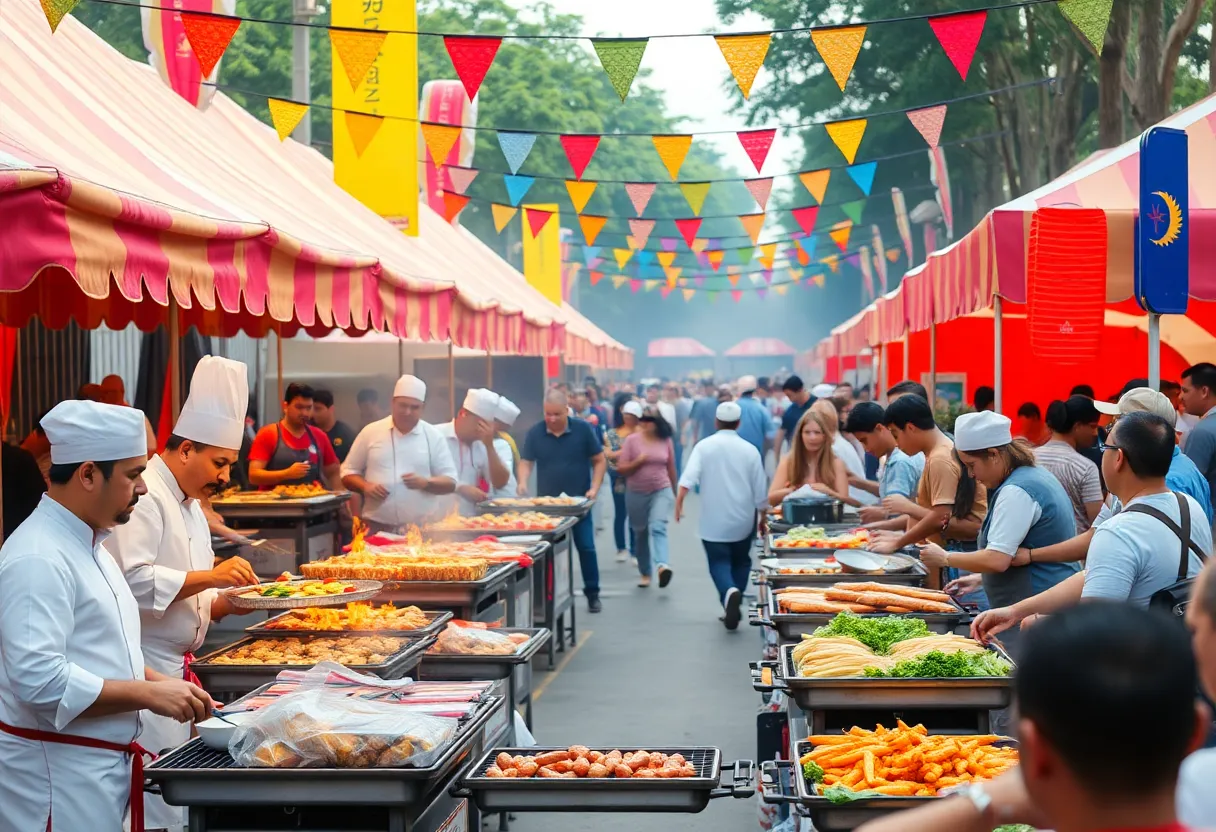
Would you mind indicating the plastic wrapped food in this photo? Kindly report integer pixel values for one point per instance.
(466, 641)
(320, 729)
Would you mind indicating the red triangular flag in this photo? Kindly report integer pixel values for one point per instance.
(579, 150)
(471, 58)
(209, 36)
(537, 219)
(453, 204)
(688, 228)
(959, 35)
(805, 217)
(756, 143)
(596, 277)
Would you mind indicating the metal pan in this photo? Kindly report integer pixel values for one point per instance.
(460, 667)
(792, 626)
(438, 620)
(778, 526)
(576, 510)
(803, 551)
(548, 535)
(542, 794)
(909, 572)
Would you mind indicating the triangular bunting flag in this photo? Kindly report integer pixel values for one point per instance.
(645, 257)
(801, 255)
(461, 178)
(713, 297)
(847, 136)
(928, 121)
(805, 217)
(816, 182)
(699, 280)
(596, 277)
(579, 150)
(853, 259)
(515, 147)
(688, 293)
(695, 193)
(733, 277)
(666, 258)
(639, 194)
(358, 50)
(56, 11)
(592, 226)
(752, 224)
(760, 190)
(620, 59)
(744, 55)
(959, 35)
(641, 230)
(893, 254)
(537, 219)
(673, 274)
(781, 289)
(863, 175)
(209, 36)
(839, 48)
(619, 280)
(622, 256)
(440, 139)
(632, 242)
(715, 258)
(453, 204)
(698, 245)
(795, 275)
(517, 186)
(580, 193)
(756, 144)
(665, 291)
(285, 116)
(767, 252)
(651, 285)
(840, 234)
(745, 255)
(756, 278)
(853, 209)
(688, 228)
(819, 279)
(635, 285)
(672, 150)
(471, 57)
(1089, 16)
(760, 293)
(362, 129)
(502, 215)
(591, 255)
(737, 294)
(832, 262)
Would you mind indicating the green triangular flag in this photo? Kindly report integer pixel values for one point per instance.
(853, 210)
(745, 255)
(713, 296)
(621, 59)
(1090, 17)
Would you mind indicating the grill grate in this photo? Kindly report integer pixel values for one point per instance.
(197, 756)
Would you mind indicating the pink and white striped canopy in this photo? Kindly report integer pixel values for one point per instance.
(678, 348)
(758, 347)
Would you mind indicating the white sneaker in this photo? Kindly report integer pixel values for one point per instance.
(622, 556)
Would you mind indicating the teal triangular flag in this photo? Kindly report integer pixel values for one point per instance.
(863, 175)
(516, 147)
(517, 186)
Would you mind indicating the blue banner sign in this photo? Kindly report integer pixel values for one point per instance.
(1163, 224)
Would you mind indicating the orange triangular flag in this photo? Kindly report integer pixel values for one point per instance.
(733, 278)
(673, 274)
(285, 116)
(502, 215)
(839, 47)
(358, 50)
(840, 234)
(362, 129)
(209, 36)
(795, 275)
(715, 258)
(847, 136)
(596, 277)
(440, 139)
(780, 288)
(580, 192)
(768, 251)
(453, 204)
(744, 55)
(832, 262)
(592, 226)
(666, 258)
(816, 182)
(688, 293)
(672, 150)
(619, 280)
(752, 224)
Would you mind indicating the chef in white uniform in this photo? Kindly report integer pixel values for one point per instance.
(72, 675)
(504, 419)
(165, 550)
(470, 436)
(400, 464)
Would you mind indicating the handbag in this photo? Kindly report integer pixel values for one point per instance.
(1175, 597)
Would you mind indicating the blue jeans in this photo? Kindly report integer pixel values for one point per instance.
(619, 518)
(730, 564)
(583, 535)
(648, 516)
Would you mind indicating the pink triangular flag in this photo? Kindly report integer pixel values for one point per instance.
(579, 150)
(737, 294)
(805, 217)
(756, 144)
(959, 35)
(461, 178)
(641, 230)
(689, 227)
(760, 190)
(639, 194)
(634, 285)
(929, 121)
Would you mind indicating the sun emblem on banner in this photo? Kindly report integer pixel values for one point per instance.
(1171, 217)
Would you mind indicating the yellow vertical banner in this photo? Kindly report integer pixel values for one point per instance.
(384, 174)
(543, 255)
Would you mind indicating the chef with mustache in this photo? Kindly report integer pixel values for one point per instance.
(165, 550)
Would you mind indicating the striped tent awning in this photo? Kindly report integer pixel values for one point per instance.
(678, 348)
(759, 347)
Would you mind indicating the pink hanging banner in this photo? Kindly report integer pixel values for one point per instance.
(169, 51)
(445, 102)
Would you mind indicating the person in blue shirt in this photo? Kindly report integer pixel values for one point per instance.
(755, 423)
(900, 475)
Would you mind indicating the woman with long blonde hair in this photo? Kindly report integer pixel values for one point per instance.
(811, 461)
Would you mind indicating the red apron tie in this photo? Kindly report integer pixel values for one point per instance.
(136, 750)
(188, 674)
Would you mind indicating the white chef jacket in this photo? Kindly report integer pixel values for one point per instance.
(382, 455)
(503, 448)
(472, 464)
(68, 622)
(166, 537)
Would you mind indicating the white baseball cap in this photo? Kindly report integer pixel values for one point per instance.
(729, 412)
(823, 391)
(747, 384)
(978, 431)
(1141, 399)
(632, 408)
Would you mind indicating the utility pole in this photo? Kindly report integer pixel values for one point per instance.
(303, 11)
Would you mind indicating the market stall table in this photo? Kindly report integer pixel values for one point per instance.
(308, 527)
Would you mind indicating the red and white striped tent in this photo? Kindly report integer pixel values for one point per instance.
(678, 348)
(760, 348)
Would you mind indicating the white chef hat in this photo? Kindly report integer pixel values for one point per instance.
(746, 384)
(410, 387)
(729, 412)
(823, 391)
(507, 412)
(482, 403)
(978, 431)
(214, 412)
(85, 431)
(632, 408)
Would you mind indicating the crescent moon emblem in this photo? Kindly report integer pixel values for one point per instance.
(1174, 227)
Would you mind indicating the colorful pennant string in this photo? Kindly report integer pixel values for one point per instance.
(695, 193)
(863, 175)
(832, 261)
(1090, 17)
(440, 139)
(853, 209)
(752, 224)
(357, 50)
(285, 116)
(461, 178)
(471, 57)
(579, 150)
(760, 189)
(517, 187)
(672, 150)
(592, 226)
(515, 147)
(840, 234)
(209, 36)
(805, 217)
(839, 48)
(744, 56)
(959, 35)
(640, 194)
(846, 135)
(56, 11)
(453, 204)
(620, 59)
(580, 193)
(666, 258)
(537, 220)
(502, 215)
(715, 258)
(596, 277)
(816, 182)
(689, 228)
(928, 122)
(756, 144)
(619, 280)
(641, 230)
(362, 130)
(622, 256)
(768, 252)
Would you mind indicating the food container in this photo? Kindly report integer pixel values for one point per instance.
(363, 591)
(549, 535)
(803, 551)
(216, 732)
(791, 626)
(777, 525)
(902, 570)
(578, 509)
(805, 511)
(459, 667)
(438, 620)
(543, 794)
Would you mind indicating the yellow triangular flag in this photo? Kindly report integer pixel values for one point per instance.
(622, 256)
(768, 251)
(688, 293)
(847, 136)
(673, 274)
(840, 234)
(56, 11)
(832, 262)
(752, 224)
(744, 55)
(666, 258)
(357, 50)
(502, 215)
(580, 192)
(795, 275)
(715, 258)
(816, 182)
(819, 279)
(839, 48)
(651, 285)
(695, 193)
(619, 280)
(672, 150)
(285, 116)
(781, 288)
(699, 244)
(440, 139)
(362, 129)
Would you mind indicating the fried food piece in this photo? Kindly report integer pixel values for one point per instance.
(580, 767)
(578, 751)
(910, 591)
(646, 772)
(494, 771)
(550, 757)
(622, 771)
(598, 770)
(527, 768)
(504, 761)
(511, 773)
(550, 772)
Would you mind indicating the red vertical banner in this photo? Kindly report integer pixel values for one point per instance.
(8, 361)
(553, 367)
(1066, 284)
(445, 102)
(169, 50)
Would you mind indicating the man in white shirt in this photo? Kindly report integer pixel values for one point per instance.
(1196, 798)
(72, 675)
(165, 550)
(400, 464)
(504, 419)
(733, 489)
(470, 436)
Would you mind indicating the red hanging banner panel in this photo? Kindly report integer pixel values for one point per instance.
(1066, 284)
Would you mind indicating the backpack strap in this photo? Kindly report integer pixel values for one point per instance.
(1182, 532)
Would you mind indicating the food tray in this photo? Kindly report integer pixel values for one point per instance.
(460, 667)
(549, 535)
(791, 626)
(576, 510)
(439, 619)
(911, 573)
(364, 590)
(855, 692)
(807, 551)
(195, 775)
(544, 794)
(778, 526)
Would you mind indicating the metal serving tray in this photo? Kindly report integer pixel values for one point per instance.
(195, 775)
(459, 667)
(545, 794)
(803, 551)
(449, 592)
(912, 574)
(439, 618)
(548, 535)
(776, 526)
(791, 626)
(577, 510)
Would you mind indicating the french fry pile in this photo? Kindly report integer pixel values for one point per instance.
(819, 656)
(905, 761)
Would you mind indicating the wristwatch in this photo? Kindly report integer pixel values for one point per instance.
(979, 797)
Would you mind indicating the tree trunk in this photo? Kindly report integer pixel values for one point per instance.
(1110, 77)
(1150, 103)
(1064, 111)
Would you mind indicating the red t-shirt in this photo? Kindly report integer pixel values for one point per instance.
(267, 440)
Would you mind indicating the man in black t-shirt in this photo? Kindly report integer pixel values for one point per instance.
(341, 435)
(800, 402)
